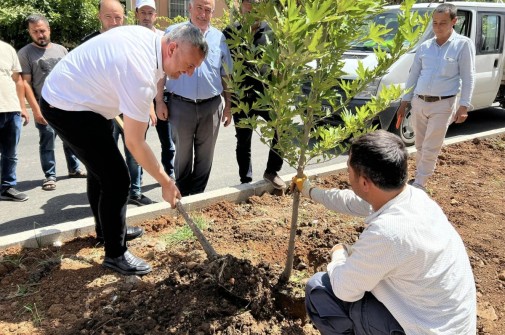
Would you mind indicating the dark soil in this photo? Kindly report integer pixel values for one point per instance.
(64, 290)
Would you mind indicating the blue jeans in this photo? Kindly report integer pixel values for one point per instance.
(47, 137)
(133, 167)
(10, 131)
(367, 316)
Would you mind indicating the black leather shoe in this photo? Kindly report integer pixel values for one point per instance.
(131, 234)
(127, 264)
(139, 200)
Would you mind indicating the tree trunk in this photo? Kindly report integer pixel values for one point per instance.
(291, 246)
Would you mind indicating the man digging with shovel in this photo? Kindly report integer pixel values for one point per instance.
(117, 72)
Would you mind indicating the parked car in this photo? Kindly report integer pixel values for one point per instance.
(482, 22)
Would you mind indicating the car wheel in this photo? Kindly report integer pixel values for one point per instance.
(406, 129)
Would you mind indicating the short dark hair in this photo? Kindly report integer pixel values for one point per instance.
(189, 33)
(34, 18)
(447, 8)
(381, 157)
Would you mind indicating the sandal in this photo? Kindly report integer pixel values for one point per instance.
(49, 185)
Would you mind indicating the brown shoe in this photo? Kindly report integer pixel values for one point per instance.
(275, 180)
(77, 174)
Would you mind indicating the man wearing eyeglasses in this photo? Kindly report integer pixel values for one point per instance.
(196, 105)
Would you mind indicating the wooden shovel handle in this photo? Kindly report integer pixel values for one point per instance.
(211, 253)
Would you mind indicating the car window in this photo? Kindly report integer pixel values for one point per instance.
(389, 19)
(490, 33)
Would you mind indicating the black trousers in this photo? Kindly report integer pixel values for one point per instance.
(243, 151)
(89, 135)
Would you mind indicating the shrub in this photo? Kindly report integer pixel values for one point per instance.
(70, 20)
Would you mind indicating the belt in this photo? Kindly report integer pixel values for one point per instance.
(429, 98)
(196, 102)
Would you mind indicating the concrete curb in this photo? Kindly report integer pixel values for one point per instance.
(69, 230)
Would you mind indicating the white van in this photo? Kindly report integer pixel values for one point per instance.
(483, 22)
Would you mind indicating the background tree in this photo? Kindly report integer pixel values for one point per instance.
(70, 20)
(307, 44)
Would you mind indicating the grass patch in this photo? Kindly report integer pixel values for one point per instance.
(298, 276)
(184, 233)
(36, 317)
(15, 261)
(24, 290)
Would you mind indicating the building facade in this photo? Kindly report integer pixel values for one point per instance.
(174, 8)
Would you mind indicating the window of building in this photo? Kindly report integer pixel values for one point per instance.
(178, 8)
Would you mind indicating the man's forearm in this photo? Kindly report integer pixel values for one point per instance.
(226, 94)
(20, 90)
(467, 70)
(30, 97)
(160, 90)
(342, 201)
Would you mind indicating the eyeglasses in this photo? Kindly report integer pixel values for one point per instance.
(202, 9)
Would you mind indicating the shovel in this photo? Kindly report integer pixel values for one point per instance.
(227, 270)
(211, 253)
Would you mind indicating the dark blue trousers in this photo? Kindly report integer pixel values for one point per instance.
(331, 315)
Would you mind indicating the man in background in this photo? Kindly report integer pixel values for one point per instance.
(198, 104)
(146, 15)
(260, 31)
(12, 111)
(443, 67)
(37, 60)
(110, 15)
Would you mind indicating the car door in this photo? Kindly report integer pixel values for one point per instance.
(489, 57)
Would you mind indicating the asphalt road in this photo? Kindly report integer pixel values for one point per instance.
(69, 202)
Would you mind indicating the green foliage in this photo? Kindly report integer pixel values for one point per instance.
(163, 22)
(12, 24)
(70, 20)
(37, 318)
(184, 233)
(221, 22)
(307, 44)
